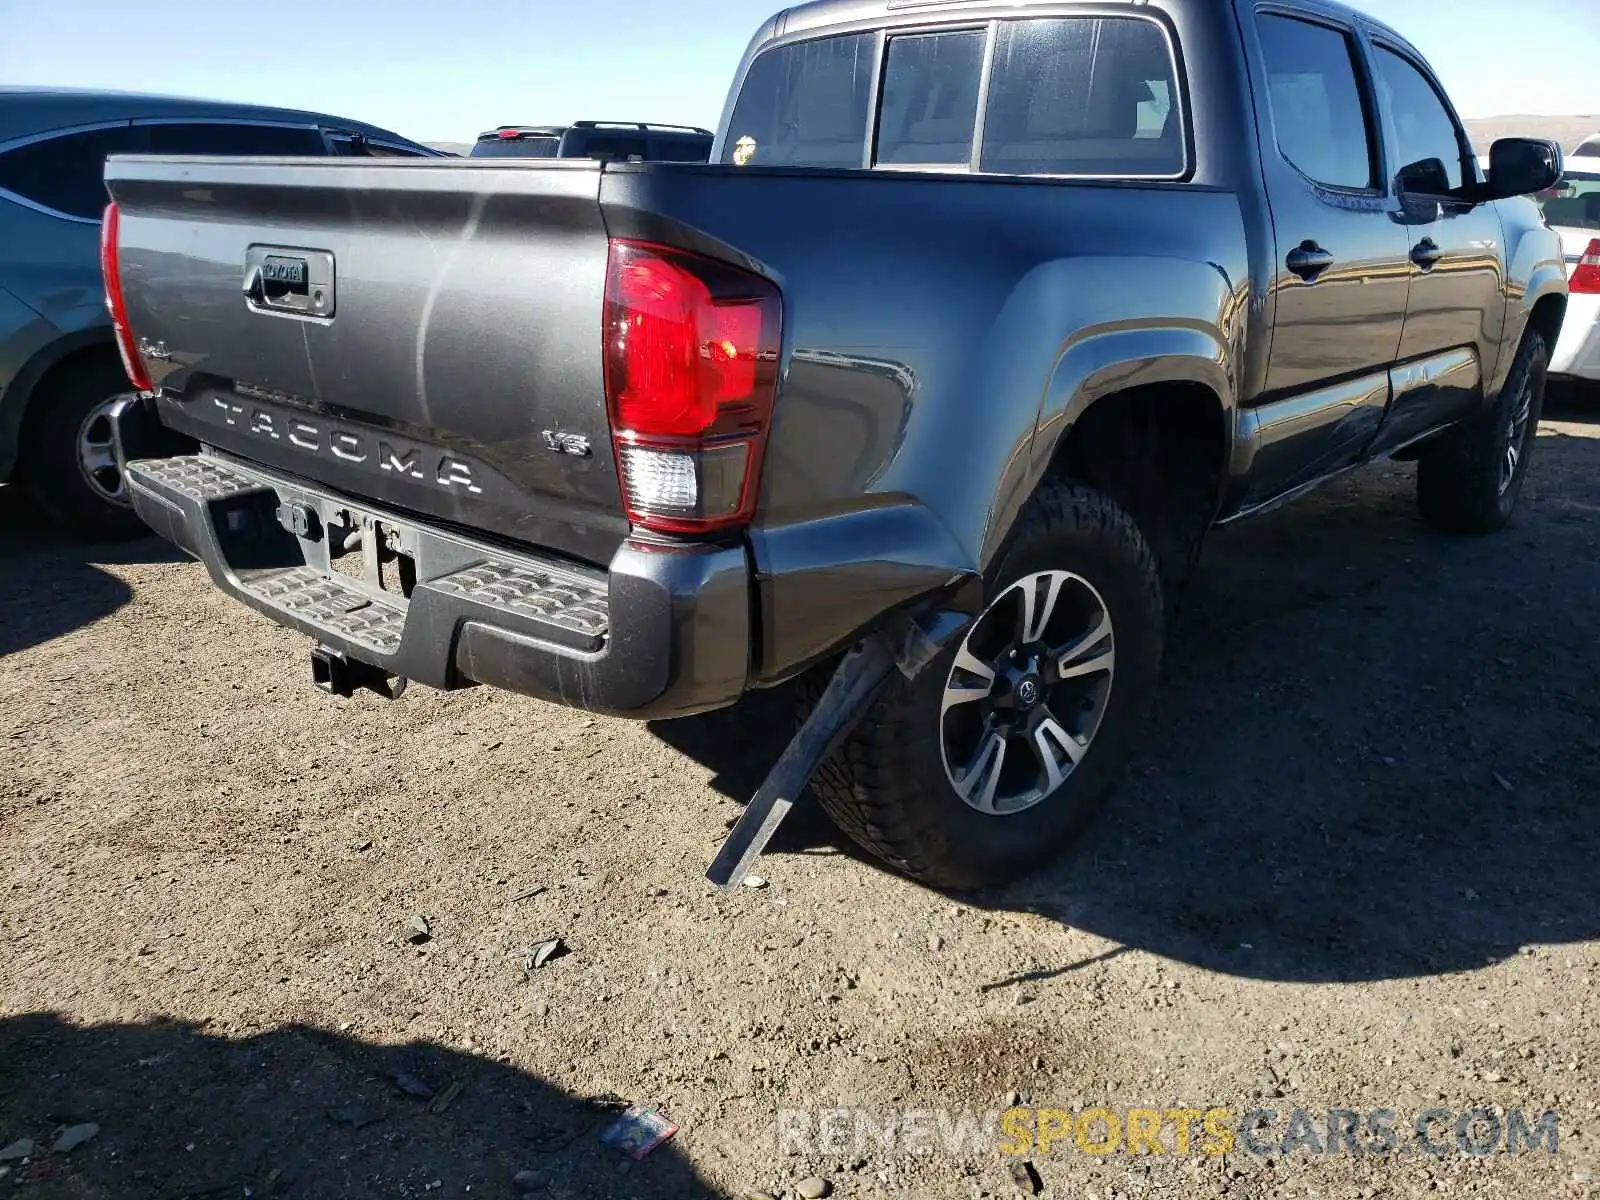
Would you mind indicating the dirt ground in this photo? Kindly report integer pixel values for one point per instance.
(1355, 866)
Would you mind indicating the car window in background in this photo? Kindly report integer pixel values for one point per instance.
(1316, 103)
(67, 173)
(216, 137)
(348, 146)
(930, 98)
(682, 149)
(527, 147)
(1574, 202)
(607, 148)
(804, 105)
(1083, 96)
(388, 150)
(1428, 157)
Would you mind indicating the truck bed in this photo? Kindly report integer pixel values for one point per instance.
(461, 323)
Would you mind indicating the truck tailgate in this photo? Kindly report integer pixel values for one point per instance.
(418, 331)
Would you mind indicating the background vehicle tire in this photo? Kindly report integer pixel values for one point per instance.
(66, 462)
(893, 788)
(1468, 480)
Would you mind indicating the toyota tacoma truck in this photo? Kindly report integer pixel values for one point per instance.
(982, 311)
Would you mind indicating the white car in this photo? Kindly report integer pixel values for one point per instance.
(1572, 209)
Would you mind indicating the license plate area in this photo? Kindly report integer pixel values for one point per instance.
(376, 553)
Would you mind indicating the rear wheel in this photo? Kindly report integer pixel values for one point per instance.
(1469, 480)
(67, 462)
(1001, 750)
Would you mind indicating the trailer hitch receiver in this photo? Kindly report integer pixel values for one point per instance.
(336, 673)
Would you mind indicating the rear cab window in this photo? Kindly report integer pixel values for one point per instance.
(1091, 96)
(930, 98)
(1084, 96)
(805, 105)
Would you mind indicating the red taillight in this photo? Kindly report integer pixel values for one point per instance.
(691, 358)
(1585, 277)
(111, 272)
(509, 133)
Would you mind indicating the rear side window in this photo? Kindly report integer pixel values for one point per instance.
(1083, 96)
(1317, 109)
(930, 98)
(805, 105)
(213, 137)
(67, 173)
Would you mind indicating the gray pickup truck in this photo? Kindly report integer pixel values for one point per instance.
(979, 319)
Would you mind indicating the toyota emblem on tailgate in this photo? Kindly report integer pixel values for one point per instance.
(280, 279)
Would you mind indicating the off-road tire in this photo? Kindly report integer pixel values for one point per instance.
(1459, 474)
(48, 464)
(886, 786)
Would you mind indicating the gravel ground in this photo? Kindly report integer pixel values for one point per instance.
(1354, 867)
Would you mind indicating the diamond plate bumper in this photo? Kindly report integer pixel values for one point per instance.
(665, 631)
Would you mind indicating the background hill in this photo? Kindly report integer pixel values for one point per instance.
(1569, 131)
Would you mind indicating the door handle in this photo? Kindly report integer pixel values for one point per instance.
(1426, 253)
(1308, 260)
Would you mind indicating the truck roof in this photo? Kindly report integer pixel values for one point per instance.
(819, 14)
(28, 110)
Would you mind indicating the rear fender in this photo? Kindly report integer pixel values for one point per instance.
(1137, 351)
(1535, 270)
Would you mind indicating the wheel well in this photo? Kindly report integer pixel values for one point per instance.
(1160, 452)
(1546, 317)
(94, 354)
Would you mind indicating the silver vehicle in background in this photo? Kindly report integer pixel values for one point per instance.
(1572, 209)
(59, 369)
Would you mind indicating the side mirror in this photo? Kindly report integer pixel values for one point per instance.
(1522, 166)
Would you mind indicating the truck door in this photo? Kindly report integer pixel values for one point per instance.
(1455, 249)
(1339, 292)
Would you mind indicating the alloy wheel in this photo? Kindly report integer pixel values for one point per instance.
(1027, 692)
(1516, 436)
(97, 460)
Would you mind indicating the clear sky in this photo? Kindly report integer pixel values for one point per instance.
(442, 70)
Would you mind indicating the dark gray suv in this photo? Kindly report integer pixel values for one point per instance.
(59, 369)
(608, 141)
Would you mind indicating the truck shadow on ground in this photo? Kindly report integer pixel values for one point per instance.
(50, 583)
(1374, 755)
(298, 1112)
